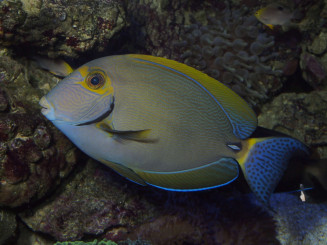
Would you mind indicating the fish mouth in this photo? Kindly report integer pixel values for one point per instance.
(47, 110)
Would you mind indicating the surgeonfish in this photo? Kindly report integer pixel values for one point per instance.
(57, 67)
(274, 14)
(162, 123)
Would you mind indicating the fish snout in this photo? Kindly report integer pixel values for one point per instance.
(47, 109)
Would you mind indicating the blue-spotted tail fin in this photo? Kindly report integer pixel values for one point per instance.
(264, 160)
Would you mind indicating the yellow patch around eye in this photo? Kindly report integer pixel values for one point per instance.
(84, 70)
(96, 81)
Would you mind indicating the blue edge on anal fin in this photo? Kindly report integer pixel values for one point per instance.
(266, 163)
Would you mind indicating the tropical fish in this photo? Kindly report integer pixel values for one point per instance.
(162, 123)
(274, 14)
(57, 67)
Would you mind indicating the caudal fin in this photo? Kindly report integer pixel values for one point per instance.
(264, 160)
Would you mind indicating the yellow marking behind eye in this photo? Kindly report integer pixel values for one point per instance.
(84, 70)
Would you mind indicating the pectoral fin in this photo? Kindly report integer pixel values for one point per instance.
(134, 135)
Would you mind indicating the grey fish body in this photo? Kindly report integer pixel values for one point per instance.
(160, 122)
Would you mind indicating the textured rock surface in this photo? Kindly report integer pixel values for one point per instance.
(155, 25)
(213, 222)
(97, 201)
(91, 203)
(8, 225)
(298, 222)
(313, 60)
(28, 237)
(302, 116)
(222, 39)
(57, 28)
(231, 47)
(34, 156)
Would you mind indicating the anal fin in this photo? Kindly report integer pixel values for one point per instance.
(125, 171)
(208, 176)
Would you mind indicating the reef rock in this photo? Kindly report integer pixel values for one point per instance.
(91, 203)
(60, 28)
(8, 226)
(220, 39)
(233, 48)
(302, 116)
(34, 156)
(299, 222)
(99, 203)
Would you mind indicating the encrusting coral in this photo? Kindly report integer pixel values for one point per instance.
(233, 48)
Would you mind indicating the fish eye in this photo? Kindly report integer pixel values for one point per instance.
(95, 80)
(280, 8)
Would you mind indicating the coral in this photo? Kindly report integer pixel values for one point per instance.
(94, 242)
(91, 203)
(155, 25)
(319, 44)
(224, 41)
(313, 60)
(199, 219)
(231, 47)
(312, 70)
(170, 229)
(98, 202)
(298, 222)
(34, 156)
(56, 28)
(8, 225)
(303, 116)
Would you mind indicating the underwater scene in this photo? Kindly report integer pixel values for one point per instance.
(156, 122)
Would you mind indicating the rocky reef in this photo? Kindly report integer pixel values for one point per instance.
(60, 28)
(299, 223)
(232, 48)
(34, 156)
(96, 201)
(281, 72)
(8, 225)
(304, 117)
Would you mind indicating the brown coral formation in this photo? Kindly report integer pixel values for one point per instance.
(233, 48)
(220, 38)
(93, 202)
(60, 28)
(205, 220)
(34, 156)
(98, 202)
(303, 116)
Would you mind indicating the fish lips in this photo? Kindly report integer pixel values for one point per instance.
(47, 109)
